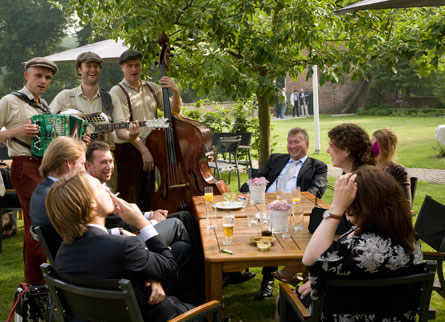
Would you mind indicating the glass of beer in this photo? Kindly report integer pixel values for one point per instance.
(228, 221)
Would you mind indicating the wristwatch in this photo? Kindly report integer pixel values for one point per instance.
(327, 214)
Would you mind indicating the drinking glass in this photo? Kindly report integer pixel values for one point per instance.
(296, 198)
(297, 217)
(228, 221)
(229, 196)
(266, 224)
(281, 186)
(244, 199)
(211, 217)
(208, 194)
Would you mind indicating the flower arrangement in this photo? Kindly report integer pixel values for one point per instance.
(257, 181)
(279, 205)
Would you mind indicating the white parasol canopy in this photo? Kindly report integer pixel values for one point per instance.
(109, 50)
(388, 4)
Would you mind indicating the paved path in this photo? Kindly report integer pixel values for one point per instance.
(428, 175)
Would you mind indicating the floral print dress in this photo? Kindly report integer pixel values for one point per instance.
(365, 254)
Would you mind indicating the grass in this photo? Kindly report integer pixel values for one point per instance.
(415, 150)
(416, 136)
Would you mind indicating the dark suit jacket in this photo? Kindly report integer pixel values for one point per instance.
(39, 216)
(99, 255)
(312, 176)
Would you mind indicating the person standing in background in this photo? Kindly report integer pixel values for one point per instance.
(294, 101)
(303, 103)
(16, 110)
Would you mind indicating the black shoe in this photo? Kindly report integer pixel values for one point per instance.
(240, 277)
(266, 290)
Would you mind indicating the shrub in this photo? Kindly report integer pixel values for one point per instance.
(440, 148)
(241, 117)
(395, 111)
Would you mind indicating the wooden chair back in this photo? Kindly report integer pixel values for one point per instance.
(387, 296)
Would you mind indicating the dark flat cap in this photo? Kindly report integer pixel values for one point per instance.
(41, 62)
(129, 54)
(87, 57)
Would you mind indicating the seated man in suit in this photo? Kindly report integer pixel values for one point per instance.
(77, 206)
(63, 155)
(302, 171)
(173, 229)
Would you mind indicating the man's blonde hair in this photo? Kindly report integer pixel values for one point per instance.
(69, 205)
(60, 150)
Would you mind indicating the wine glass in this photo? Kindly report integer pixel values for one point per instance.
(228, 221)
(229, 196)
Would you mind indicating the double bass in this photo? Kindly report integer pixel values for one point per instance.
(180, 154)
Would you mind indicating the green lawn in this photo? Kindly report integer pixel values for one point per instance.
(415, 150)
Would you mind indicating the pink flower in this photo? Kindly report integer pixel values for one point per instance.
(279, 205)
(257, 182)
(375, 148)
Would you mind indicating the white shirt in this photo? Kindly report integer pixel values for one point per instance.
(293, 180)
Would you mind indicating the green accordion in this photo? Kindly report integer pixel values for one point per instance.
(52, 126)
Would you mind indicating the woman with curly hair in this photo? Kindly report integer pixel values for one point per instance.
(384, 142)
(350, 147)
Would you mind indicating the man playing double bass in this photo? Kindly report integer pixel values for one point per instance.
(140, 100)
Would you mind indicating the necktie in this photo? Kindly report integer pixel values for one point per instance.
(289, 173)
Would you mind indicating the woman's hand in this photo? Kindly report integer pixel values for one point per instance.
(304, 289)
(345, 190)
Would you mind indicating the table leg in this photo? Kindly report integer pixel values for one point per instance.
(213, 281)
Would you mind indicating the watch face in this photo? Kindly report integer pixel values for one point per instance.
(326, 214)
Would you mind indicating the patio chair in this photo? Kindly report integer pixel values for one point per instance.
(225, 158)
(430, 227)
(106, 300)
(244, 157)
(386, 295)
(37, 231)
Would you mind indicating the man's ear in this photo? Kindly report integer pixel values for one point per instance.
(88, 165)
(93, 204)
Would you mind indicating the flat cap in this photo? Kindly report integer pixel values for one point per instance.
(41, 62)
(87, 57)
(129, 54)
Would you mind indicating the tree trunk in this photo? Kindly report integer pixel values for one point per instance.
(264, 123)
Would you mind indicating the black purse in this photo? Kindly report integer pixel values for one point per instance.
(316, 217)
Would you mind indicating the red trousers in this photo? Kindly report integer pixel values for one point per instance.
(25, 177)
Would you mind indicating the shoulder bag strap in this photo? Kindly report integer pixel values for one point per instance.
(128, 100)
(107, 102)
(154, 95)
(25, 98)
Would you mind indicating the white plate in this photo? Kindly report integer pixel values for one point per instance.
(225, 205)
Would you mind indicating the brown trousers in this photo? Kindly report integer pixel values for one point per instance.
(134, 184)
(25, 177)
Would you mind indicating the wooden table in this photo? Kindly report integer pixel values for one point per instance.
(307, 201)
(284, 251)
